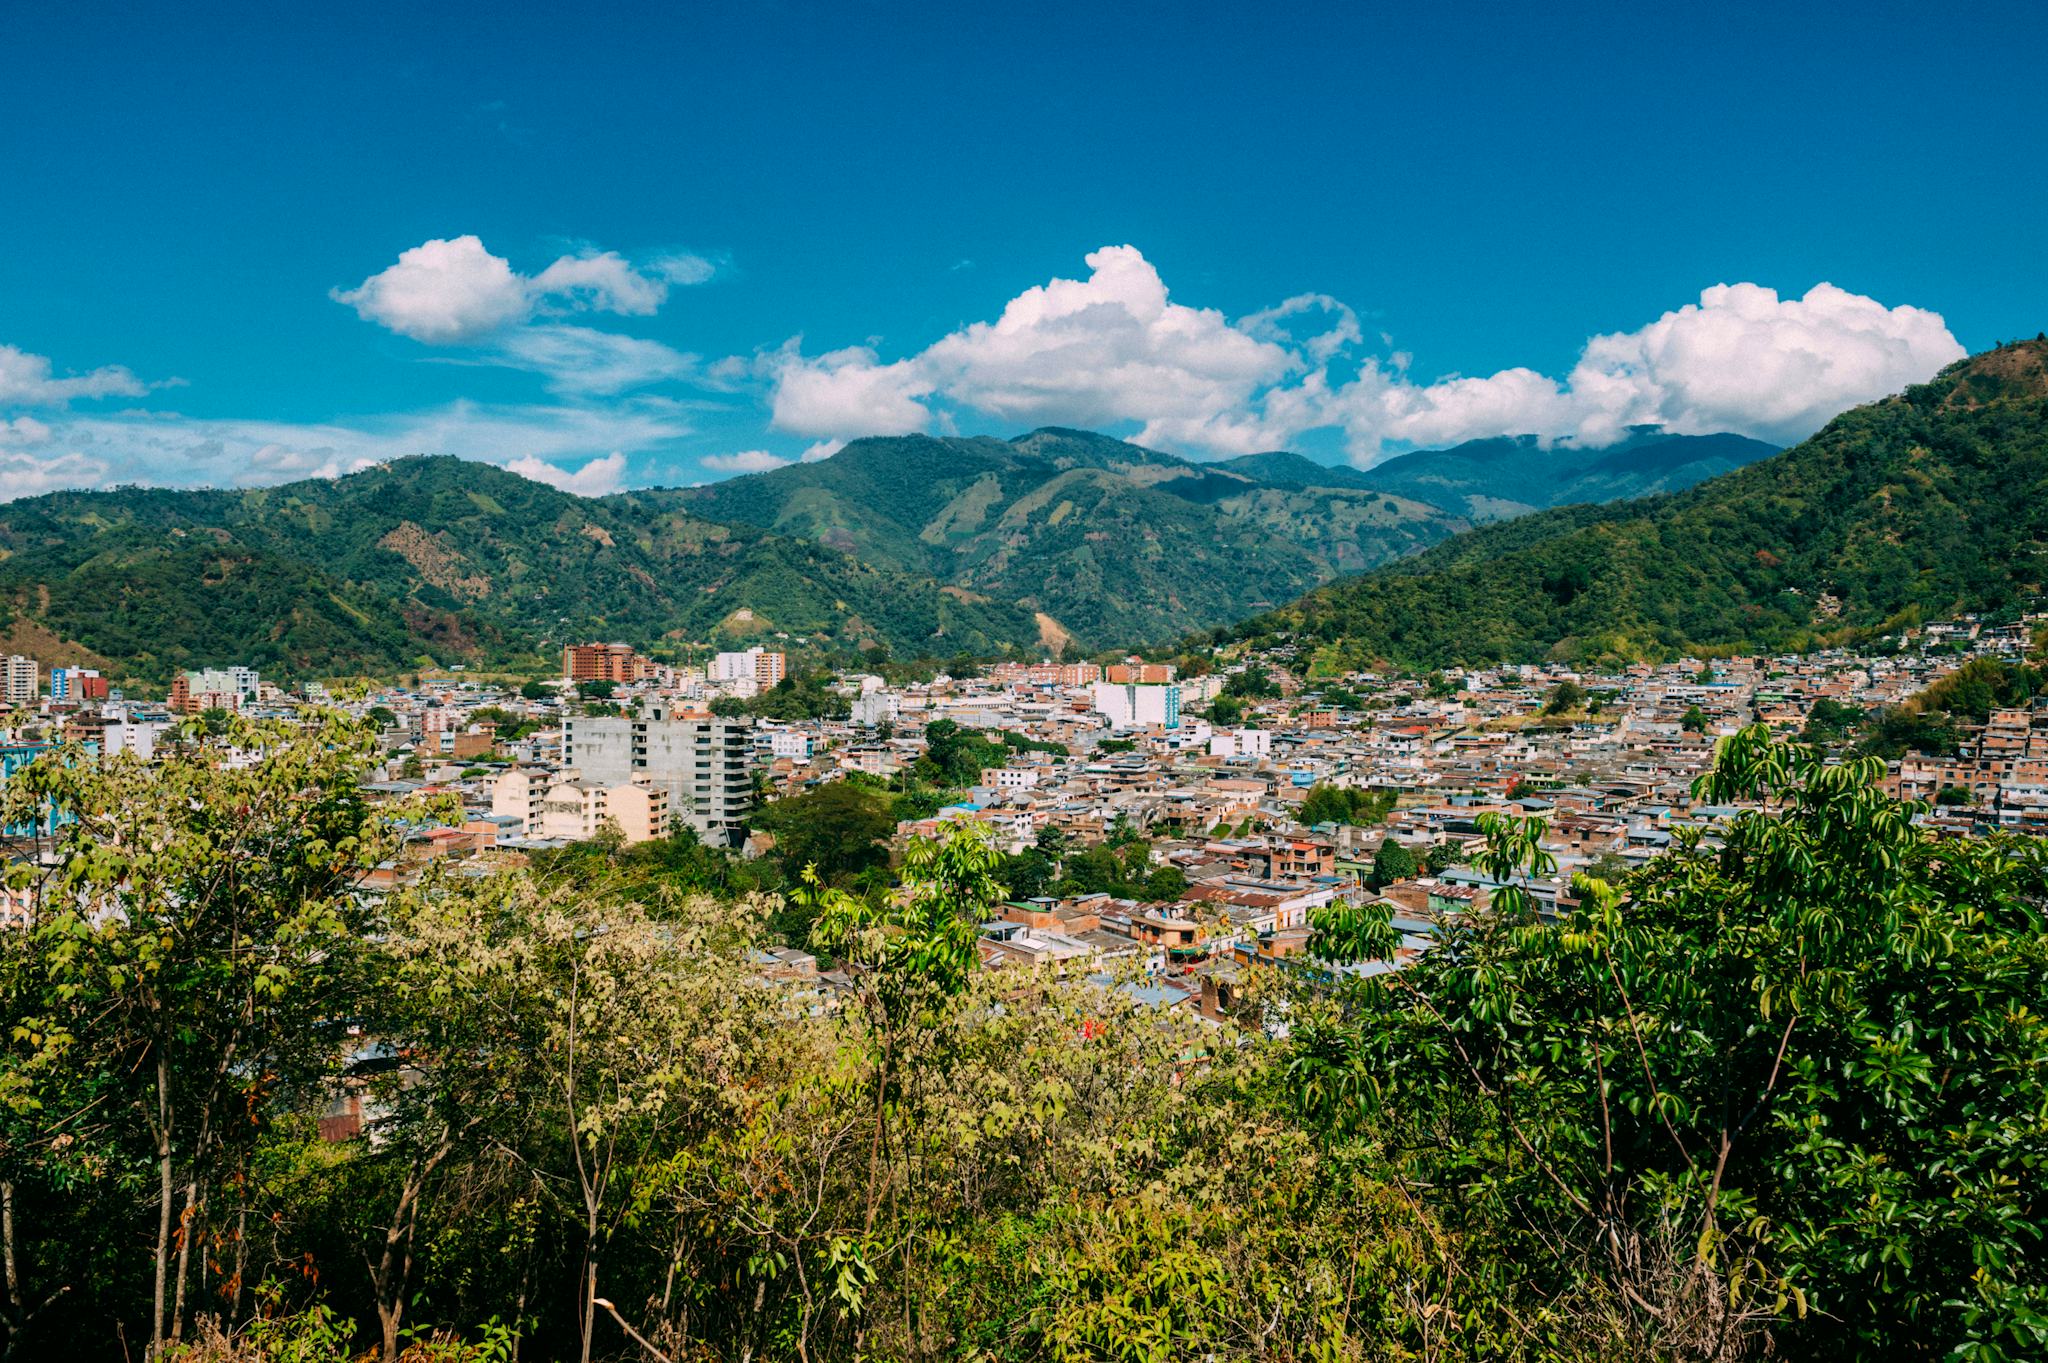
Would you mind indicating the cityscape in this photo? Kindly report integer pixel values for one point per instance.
(1135, 683)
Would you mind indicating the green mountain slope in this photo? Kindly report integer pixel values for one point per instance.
(434, 558)
(1113, 542)
(1925, 504)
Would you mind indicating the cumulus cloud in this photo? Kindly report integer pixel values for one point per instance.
(453, 291)
(1114, 350)
(596, 478)
(848, 392)
(745, 461)
(32, 381)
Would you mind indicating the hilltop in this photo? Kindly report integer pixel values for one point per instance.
(433, 558)
(1115, 542)
(1928, 503)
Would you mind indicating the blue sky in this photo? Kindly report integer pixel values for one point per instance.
(773, 227)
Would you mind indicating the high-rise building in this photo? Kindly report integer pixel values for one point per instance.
(605, 662)
(1132, 706)
(699, 760)
(23, 680)
(762, 666)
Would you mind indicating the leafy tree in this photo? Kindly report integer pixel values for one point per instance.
(1565, 697)
(1391, 863)
(536, 690)
(597, 690)
(1694, 720)
(1252, 682)
(196, 915)
(840, 828)
(1792, 1132)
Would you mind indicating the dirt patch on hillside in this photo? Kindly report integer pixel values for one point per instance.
(435, 562)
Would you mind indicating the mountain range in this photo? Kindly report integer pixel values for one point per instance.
(1923, 505)
(931, 546)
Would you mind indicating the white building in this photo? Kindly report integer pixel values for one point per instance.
(1241, 743)
(758, 665)
(701, 762)
(1134, 706)
(23, 680)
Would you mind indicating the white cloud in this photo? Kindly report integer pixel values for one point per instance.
(166, 449)
(582, 360)
(1113, 350)
(27, 475)
(448, 292)
(31, 381)
(745, 461)
(848, 392)
(597, 478)
(442, 292)
(823, 449)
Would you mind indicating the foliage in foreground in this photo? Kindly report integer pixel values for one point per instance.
(1783, 1092)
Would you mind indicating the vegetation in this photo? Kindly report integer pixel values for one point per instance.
(591, 1127)
(435, 558)
(1921, 506)
(1346, 804)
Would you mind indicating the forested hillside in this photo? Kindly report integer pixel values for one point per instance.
(437, 559)
(1111, 542)
(1925, 504)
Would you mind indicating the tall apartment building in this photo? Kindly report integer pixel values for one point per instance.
(23, 680)
(699, 760)
(605, 662)
(1143, 674)
(763, 667)
(75, 685)
(1135, 707)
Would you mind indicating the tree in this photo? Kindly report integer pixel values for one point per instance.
(840, 828)
(1391, 863)
(1226, 712)
(536, 690)
(1252, 682)
(1694, 721)
(1793, 1130)
(596, 690)
(1565, 697)
(199, 915)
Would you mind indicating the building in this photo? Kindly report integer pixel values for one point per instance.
(759, 665)
(76, 685)
(214, 688)
(871, 708)
(700, 761)
(577, 811)
(23, 680)
(605, 662)
(1135, 706)
(1143, 674)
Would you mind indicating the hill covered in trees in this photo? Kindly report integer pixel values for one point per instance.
(435, 559)
(1923, 505)
(1115, 542)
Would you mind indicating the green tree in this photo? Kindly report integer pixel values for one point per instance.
(199, 916)
(840, 828)
(1694, 721)
(1793, 1132)
(1391, 863)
